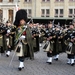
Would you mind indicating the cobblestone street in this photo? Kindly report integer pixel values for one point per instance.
(38, 66)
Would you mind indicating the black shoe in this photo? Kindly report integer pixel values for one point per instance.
(7, 55)
(22, 67)
(19, 68)
(68, 63)
(72, 64)
(50, 63)
(47, 62)
(56, 59)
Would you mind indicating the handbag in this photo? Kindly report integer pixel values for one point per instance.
(46, 46)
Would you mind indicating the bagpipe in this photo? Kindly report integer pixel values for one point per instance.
(48, 34)
(2, 26)
(35, 31)
(70, 35)
(23, 28)
(18, 35)
(59, 34)
(70, 40)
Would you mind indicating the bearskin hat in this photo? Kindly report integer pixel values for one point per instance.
(20, 14)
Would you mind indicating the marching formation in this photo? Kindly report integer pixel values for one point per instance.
(26, 38)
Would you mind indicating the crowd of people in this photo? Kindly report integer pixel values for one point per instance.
(26, 38)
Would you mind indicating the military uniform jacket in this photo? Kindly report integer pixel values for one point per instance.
(70, 44)
(49, 33)
(26, 47)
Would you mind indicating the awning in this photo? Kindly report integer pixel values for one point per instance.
(51, 18)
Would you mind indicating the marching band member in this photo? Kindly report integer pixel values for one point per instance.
(73, 22)
(8, 38)
(1, 38)
(24, 42)
(58, 42)
(50, 37)
(8, 42)
(41, 34)
(70, 41)
(35, 38)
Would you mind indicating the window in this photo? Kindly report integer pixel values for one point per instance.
(59, 0)
(62, 0)
(1, 0)
(58, 12)
(45, 12)
(10, 15)
(45, 0)
(1, 15)
(42, 12)
(71, 0)
(27, 0)
(71, 12)
(61, 13)
(74, 11)
(10, 0)
(29, 12)
(56, 0)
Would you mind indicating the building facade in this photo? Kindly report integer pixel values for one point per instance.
(39, 9)
(8, 10)
(49, 9)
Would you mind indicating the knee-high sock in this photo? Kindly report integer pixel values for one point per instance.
(21, 65)
(49, 59)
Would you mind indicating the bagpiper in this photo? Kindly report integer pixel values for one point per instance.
(23, 42)
(9, 37)
(58, 42)
(73, 22)
(2, 48)
(35, 37)
(49, 34)
(70, 42)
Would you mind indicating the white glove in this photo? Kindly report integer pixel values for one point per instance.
(8, 31)
(22, 37)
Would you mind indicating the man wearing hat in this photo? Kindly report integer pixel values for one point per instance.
(23, 38)
(70, 41)
(8, 42)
